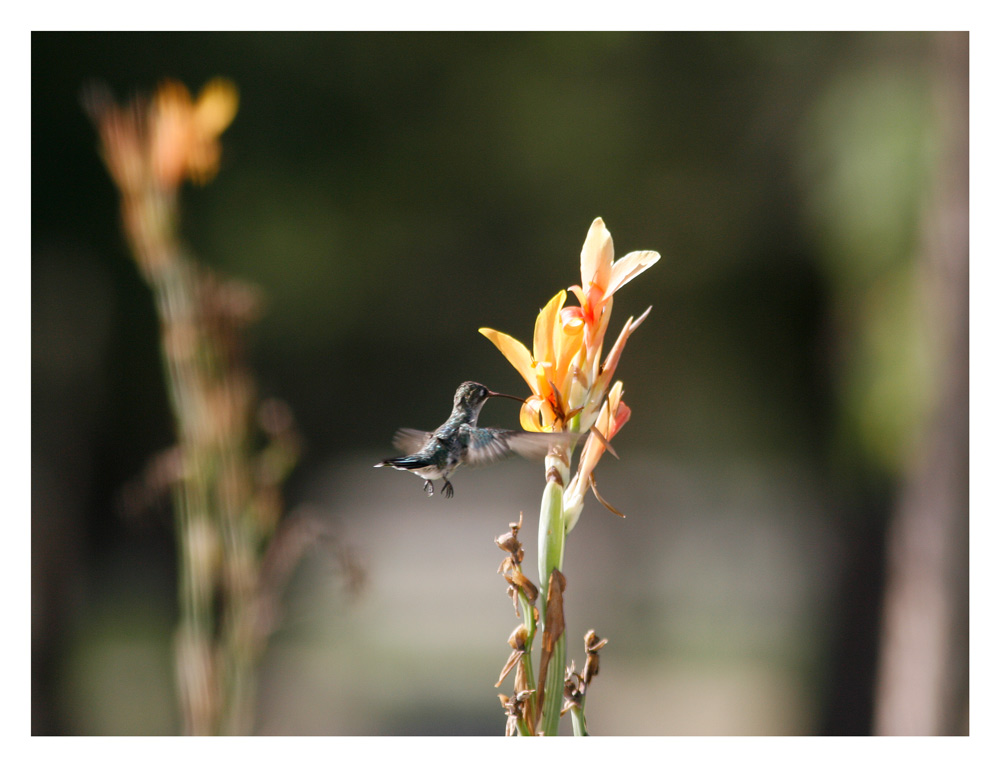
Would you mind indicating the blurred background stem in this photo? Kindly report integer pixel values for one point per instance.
(225, 501)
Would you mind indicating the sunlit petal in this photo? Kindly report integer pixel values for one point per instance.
(537, 415)
(592, 452)
(615, 414)
(622, 414)
(627, 268)
(545, 325)
(570, 342)
(515, 352)
(571, 318)
(596, 256)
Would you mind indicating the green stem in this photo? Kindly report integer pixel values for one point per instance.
(551, 550)
(554, 685)
(579, 720)
(528, 611)
(522, 727)
(551, 537)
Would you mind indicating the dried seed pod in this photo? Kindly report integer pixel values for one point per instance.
(593, 644)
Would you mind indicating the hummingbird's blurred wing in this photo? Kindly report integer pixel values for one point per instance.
(485, 445)
(410, 440)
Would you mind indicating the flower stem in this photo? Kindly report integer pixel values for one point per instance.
(579, 720)
(551, 551)
(551, 535)
(552, 705)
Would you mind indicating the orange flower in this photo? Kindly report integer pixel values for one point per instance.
(564, 371)
(185, 133)
(547, 369)
(601, 276)
(569, 384)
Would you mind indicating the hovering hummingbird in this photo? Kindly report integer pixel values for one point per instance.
(458, 441)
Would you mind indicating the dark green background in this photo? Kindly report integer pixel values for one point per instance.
(392, 193)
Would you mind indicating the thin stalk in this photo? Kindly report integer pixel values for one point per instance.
(528, 611)
(579, 720)
(552, 705)
(551, 551)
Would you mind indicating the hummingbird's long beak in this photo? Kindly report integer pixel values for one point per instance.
(508, 396)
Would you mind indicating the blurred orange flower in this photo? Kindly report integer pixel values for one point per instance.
(185, 133)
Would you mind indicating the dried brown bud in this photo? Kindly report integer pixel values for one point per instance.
(514, 708)
(519, 580)
(518, 641)
(573, 690)
(518, 638)
(553, 475)
(593, 644)
(508, 542)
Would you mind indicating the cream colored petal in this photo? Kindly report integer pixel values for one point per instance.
(515, 352)
(629, 267)
(618, 412)
(596, 257)
(614, 398)
(592, 452)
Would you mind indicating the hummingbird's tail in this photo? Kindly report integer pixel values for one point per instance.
(405, 463)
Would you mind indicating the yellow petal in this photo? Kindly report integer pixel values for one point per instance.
(570, 340)
(216, 106)
(596, 257)
(536, 415)
(629, 267)
(515, 352)
(545, 325)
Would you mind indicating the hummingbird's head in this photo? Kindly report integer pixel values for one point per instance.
(473, 395)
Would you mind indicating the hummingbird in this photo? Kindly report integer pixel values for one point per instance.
(459, 441)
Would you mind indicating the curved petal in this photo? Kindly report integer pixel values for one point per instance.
(571, 318)
(615, 414)
(537, 415)
(622, 414)
(596, 257)
(515, 352)
(545, 327)
(628, 267)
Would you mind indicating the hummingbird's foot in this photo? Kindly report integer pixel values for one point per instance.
(429, 488)
(448, 490)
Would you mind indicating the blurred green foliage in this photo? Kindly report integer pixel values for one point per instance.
(392, 193)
